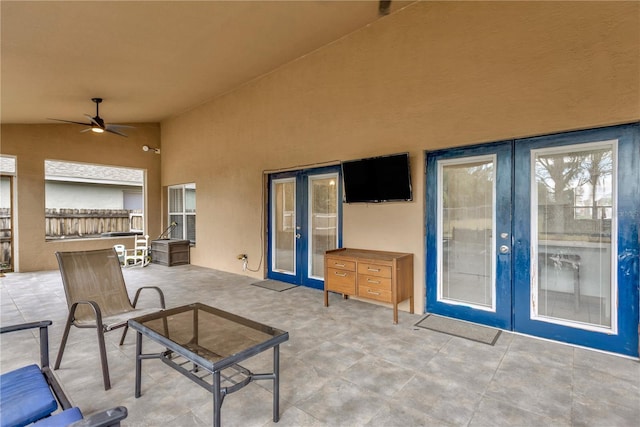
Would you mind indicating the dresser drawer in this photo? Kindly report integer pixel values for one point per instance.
(340, 264)
(376, 293)
(341, 281)
(374, 269)
(374, 282)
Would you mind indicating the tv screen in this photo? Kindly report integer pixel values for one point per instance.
(377, 179)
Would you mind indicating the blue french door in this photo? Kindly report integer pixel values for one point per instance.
(469, 233)
(576, 216)
(540, 236)
(304, 222)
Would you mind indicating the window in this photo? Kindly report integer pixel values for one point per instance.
(7, 165)
(86, 200)
(182, 211)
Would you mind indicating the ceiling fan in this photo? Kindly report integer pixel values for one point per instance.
(97, 124)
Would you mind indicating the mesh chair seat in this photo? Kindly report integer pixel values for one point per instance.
(116, 321)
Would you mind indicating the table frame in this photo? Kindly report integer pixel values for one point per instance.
(191, 364)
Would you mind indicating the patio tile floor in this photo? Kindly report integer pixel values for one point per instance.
(344, 365)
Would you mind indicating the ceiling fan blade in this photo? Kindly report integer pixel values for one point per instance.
(69, 121)
(115, 131)
(85, 130)
(115, 126)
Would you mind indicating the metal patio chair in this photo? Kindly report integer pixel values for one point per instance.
(97, 297)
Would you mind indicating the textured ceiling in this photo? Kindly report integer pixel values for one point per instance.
(152, 60)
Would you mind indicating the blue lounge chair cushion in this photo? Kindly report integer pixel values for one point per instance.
(61, 419)
(25, 397)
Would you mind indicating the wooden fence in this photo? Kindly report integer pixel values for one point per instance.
(74, 223)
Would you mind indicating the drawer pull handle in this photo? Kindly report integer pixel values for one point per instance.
(377, 282)
(369, 291)
(377, 270)
(339, 265)
(340, 274)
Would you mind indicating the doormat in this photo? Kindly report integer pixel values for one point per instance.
(274, 285)
(459, 328)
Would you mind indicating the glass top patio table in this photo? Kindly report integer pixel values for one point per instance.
(202, 340)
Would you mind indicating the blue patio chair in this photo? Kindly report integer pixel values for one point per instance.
(32, 394)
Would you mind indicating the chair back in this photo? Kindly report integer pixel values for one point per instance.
(142, 242)
(94, 276)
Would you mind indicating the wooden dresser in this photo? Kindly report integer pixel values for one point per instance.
(382, 276)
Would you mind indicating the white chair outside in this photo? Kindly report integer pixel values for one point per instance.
(121, 251)
(139, 255)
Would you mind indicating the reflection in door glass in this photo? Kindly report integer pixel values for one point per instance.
(466, 211)
(323, 219)
(574, 214)
(284, 225)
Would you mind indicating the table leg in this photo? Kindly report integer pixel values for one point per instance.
(276, 383)
(138, 363)
(217, 400)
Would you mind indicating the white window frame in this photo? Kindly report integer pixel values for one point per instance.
(183, 212)
(534, 298)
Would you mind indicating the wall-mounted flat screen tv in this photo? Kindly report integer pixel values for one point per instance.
(377, 179)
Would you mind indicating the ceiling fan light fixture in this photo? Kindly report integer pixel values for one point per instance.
(97, 129)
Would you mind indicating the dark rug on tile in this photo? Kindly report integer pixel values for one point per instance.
(459, 328)
(274, 285)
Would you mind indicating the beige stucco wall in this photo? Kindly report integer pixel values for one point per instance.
(430, 76)
(33, 144)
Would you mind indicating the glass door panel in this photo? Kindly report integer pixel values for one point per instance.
(466, 208)
(323, 220)
(572, 208)
(283, 225)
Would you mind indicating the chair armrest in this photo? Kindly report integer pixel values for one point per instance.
(44, 337)
(23, 326)
(109, 418)
(96, 311)
(160, 293)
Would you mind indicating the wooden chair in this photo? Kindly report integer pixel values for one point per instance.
(139, 255)
(97, 298)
